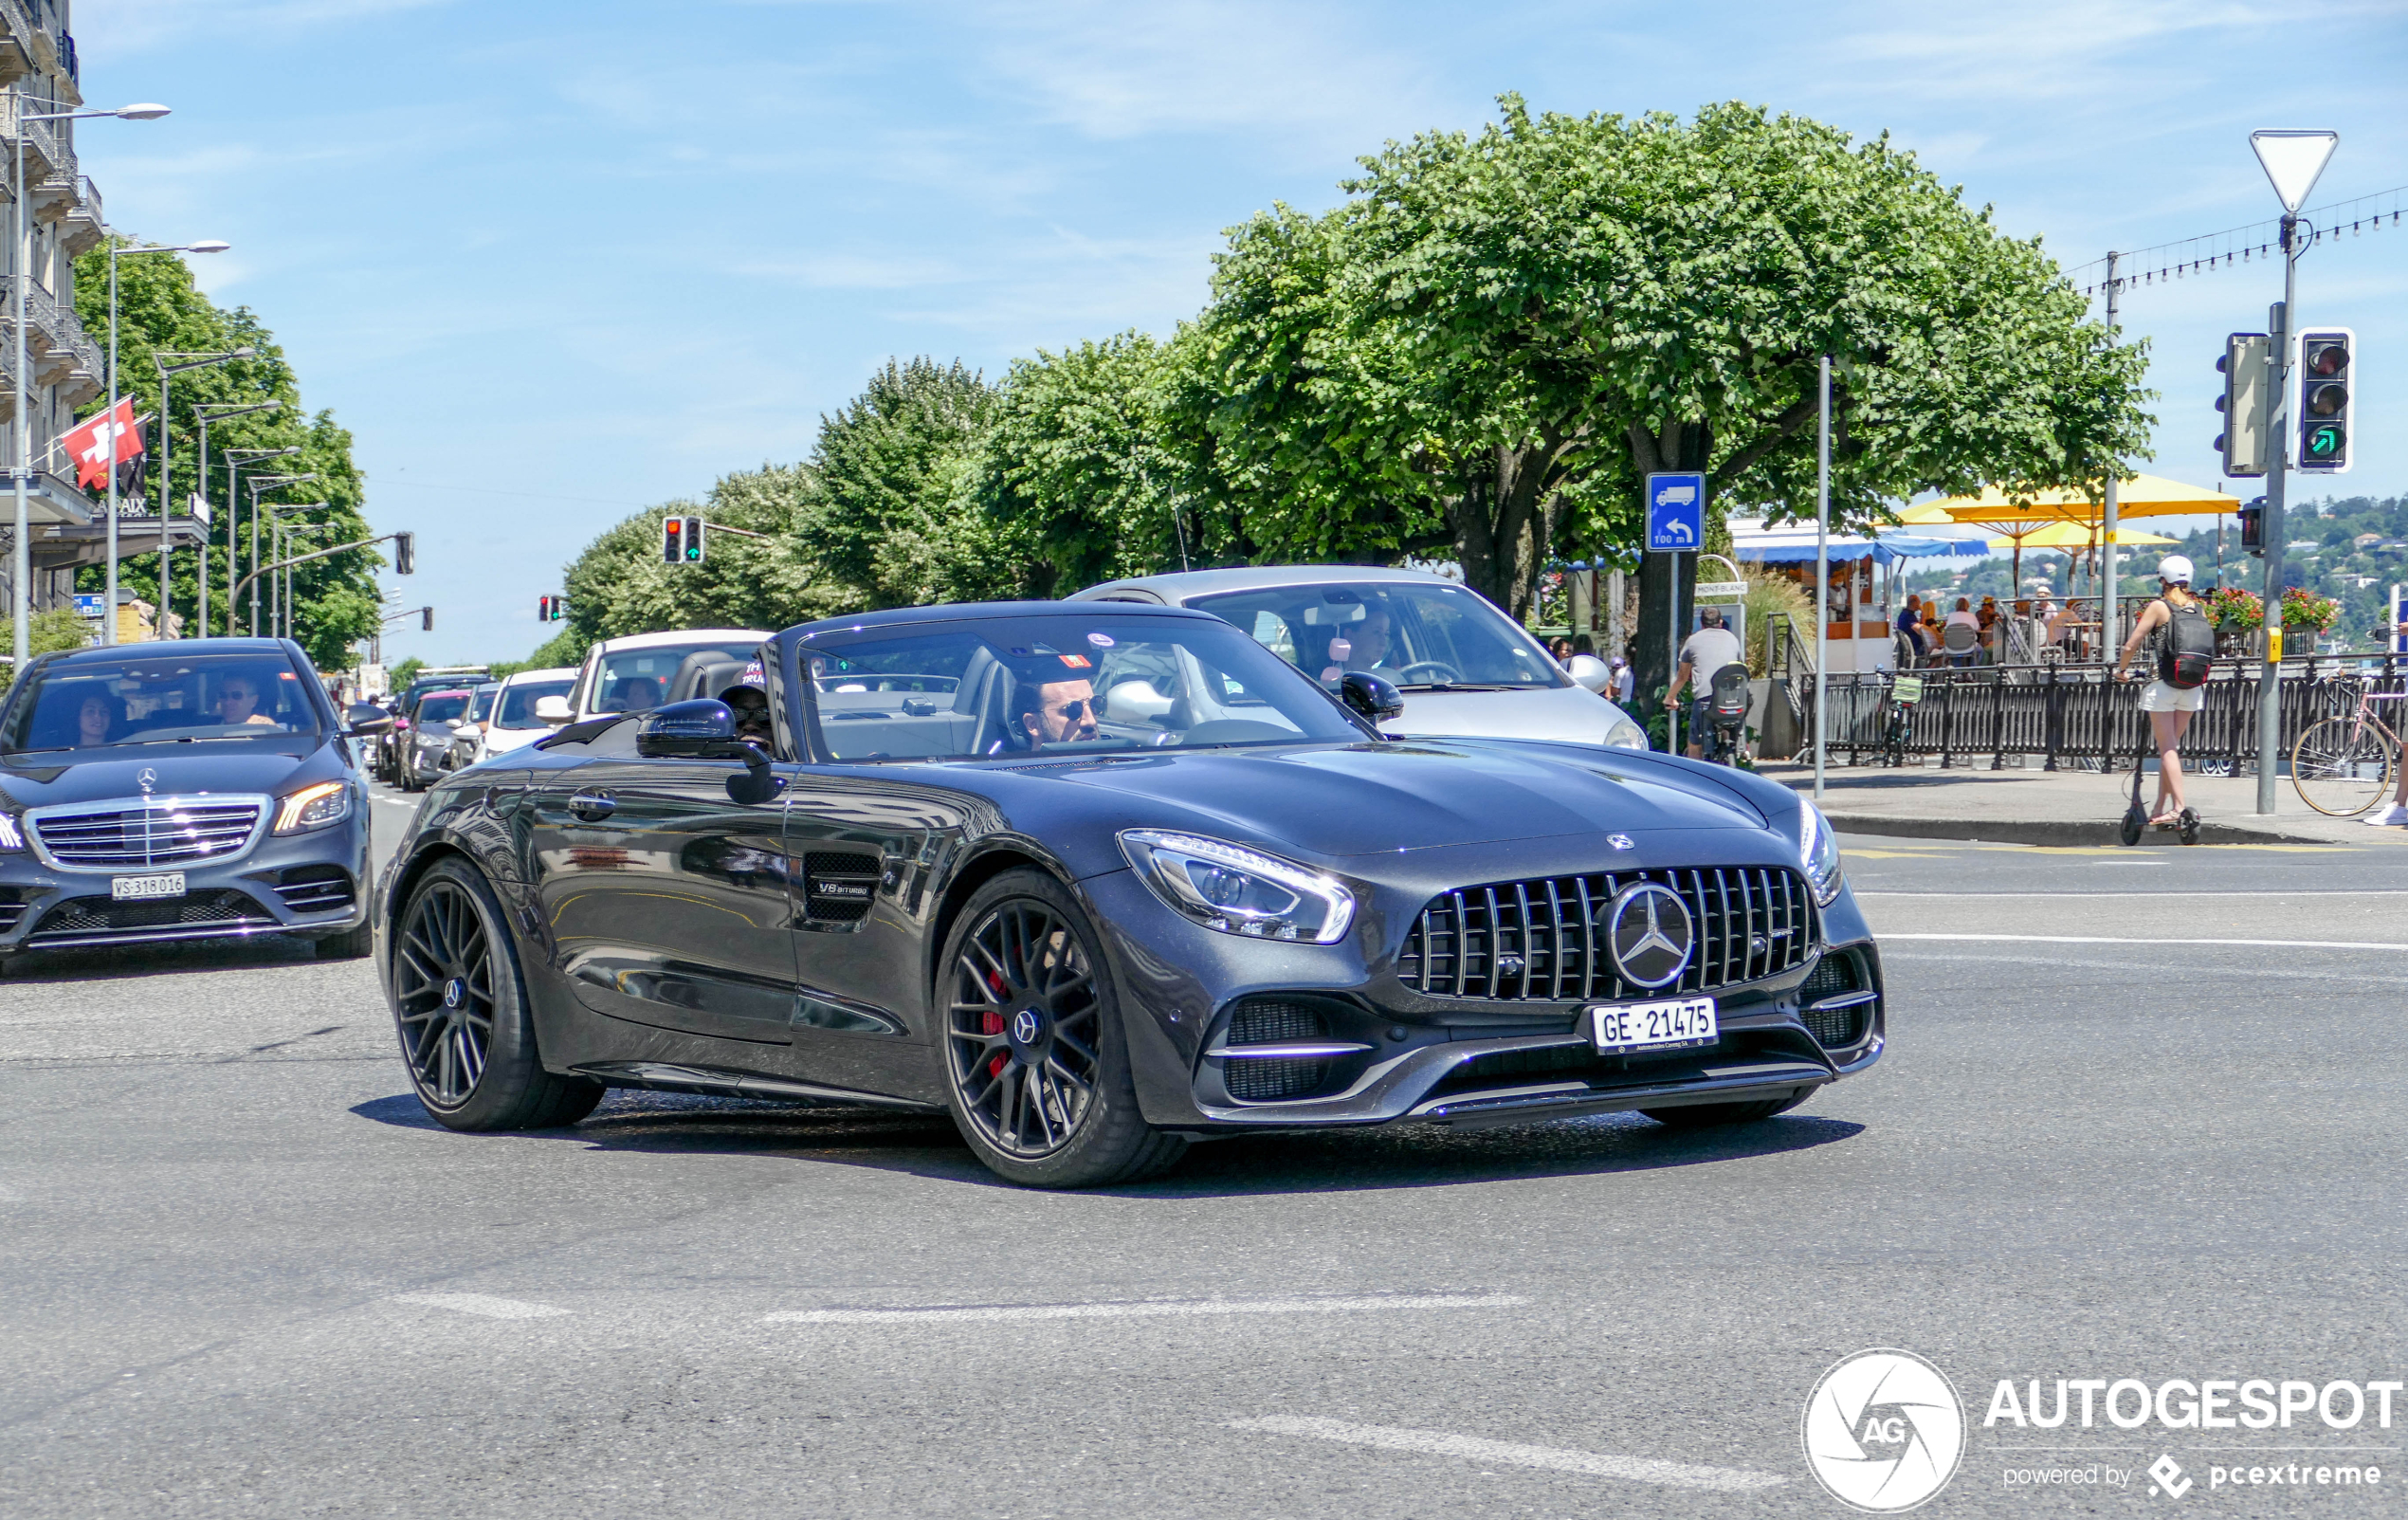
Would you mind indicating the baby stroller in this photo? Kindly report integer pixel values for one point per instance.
(1726, 714)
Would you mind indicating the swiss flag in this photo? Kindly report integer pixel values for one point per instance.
(88, 441)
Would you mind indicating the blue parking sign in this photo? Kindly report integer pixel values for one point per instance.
(1676, 512)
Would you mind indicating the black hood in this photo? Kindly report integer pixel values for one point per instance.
(1335, 801)
(41, 780)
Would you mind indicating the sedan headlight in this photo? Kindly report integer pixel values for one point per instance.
(11, 832)
(1238, 890)
(1818, 852)
(313, 807)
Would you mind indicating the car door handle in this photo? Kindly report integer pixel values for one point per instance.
(593, 806)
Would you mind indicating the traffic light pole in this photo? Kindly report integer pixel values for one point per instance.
(2110, 623)
(304, 558)
(2272, 533)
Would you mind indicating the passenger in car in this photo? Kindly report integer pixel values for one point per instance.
(98, 720)
(238, 701)
(1054, 712)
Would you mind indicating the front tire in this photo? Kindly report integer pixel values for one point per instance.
(1036, 1059)
(461, 1007)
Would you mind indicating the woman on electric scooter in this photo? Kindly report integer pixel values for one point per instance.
(2169, 707)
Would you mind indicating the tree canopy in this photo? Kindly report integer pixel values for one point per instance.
(160, 309)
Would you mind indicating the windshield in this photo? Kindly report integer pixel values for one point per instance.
(517, 704)
(151, 698)
(1078, 684)
(442, 707)
(1424, 636)
(483, 708)
(638, 680)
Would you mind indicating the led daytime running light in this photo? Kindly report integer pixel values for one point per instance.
(1318, 910)
(1818, 852)
(290, 813)
(11, 834)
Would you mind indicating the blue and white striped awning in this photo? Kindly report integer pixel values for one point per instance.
(1789, 545)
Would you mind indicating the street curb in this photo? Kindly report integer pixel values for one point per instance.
(2054, 830)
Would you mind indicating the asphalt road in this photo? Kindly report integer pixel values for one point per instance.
(241, 1274)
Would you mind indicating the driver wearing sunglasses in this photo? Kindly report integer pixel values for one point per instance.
(1058, 712)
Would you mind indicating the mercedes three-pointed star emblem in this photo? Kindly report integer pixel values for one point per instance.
(1650, 934)
(148, 779)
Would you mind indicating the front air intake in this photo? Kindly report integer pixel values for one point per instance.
(1838, 1003)
(1273, 1079)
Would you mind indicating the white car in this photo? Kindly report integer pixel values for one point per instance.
(1464, 668)
(514, 722)
(637, 672)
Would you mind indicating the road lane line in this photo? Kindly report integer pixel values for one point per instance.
(2098, 938)
(482, 1303)
(1140, 1309)
(2337, 891)
(1474, 1449)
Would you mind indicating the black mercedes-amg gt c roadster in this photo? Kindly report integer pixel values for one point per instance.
(1100, 879)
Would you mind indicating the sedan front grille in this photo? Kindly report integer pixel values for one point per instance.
(1545, 938)
(166, 831)
(99, 920)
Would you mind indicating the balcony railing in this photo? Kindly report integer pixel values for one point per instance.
(84, 224)
(45, 153)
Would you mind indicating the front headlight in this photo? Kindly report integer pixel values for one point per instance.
(1624, 734)
(314, 807)
(11, 832)
(1818, 852)
(1238, 890)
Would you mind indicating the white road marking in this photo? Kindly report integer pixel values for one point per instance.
(1474, 1449)
(1141, 1309)
(484, 1304)
(2333, 892)
(2098, 939)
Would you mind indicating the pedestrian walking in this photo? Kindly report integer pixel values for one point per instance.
(2184, 657)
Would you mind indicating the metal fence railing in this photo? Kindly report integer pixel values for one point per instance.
(2078, 717)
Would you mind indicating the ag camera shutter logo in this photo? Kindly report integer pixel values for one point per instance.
(1883, 1431)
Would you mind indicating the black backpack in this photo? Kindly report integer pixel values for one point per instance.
(2188, 652)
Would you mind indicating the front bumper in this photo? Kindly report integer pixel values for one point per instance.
(312, 884)
(1465, 1063)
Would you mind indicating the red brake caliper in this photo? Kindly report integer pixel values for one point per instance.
(991, 1022)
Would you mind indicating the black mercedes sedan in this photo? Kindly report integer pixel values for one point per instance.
(1101, 879)
(198, 789)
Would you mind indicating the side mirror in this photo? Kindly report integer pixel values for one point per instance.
(554, 710)
(1371, 696)
(701, 729)
(1590, 673)
(367, 718)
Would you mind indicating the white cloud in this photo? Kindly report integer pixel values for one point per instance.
(129, 27)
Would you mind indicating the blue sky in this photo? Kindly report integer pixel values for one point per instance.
(551, 262)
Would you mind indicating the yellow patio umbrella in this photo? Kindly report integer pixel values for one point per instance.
(2139, 496)
(2074, 536)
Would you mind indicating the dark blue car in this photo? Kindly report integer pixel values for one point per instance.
(193, 790)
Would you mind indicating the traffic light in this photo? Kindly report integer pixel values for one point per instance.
(427, 619)
(2254, 525)
(405, 554)
(2327, 405)
(673, 541)
(550, 609)
(2243, 403)
(693, 540)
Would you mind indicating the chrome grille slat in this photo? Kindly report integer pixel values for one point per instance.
(1731, 907)
(123, 836)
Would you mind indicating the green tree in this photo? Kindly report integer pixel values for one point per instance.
(1497, 334)
(1081, 472)
(61, 628)
(894, 520)
(161, 310)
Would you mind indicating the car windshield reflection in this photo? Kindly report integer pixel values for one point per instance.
(153, 699)
(1421, 636)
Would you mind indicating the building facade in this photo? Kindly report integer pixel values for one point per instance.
(65, 365)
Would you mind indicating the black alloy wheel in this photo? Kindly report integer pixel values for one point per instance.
(1036, 1057)
(461, 1009)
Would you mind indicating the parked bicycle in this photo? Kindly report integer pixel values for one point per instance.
(2342, 765)
(1898, 718)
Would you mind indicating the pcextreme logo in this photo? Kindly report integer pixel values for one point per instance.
(1883, 1431)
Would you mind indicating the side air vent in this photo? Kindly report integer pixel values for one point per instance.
(838, 886)
(1279, 1049)
(1836, 1002)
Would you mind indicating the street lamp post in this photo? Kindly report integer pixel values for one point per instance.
(286, 619)
(192, 362)
(108, 619)
(235, 457)
(208, 411)
(21, 559)
(258, 485)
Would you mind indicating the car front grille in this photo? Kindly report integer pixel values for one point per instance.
(1832, 980)
(170, 832)
(101, 920)
(1545, 939)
